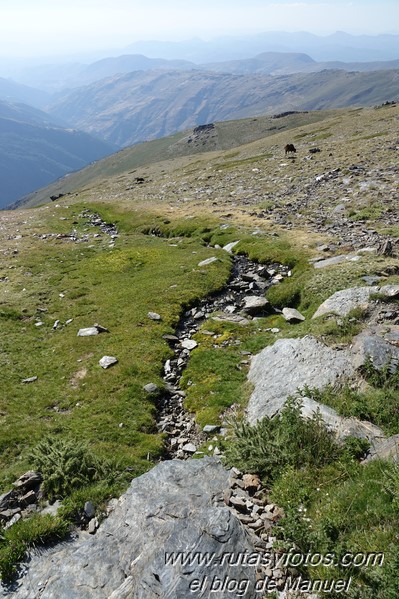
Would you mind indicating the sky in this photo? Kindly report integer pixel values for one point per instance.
(62, 27)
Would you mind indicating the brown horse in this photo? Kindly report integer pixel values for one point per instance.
(290, 148)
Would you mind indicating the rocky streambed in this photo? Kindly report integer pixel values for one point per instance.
(239, 301)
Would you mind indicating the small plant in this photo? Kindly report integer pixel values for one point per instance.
(289, 439)
(66, 465)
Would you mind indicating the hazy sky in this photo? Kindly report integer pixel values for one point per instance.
(53, 27)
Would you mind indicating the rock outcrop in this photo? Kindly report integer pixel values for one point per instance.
(279, 370)
(176, 508)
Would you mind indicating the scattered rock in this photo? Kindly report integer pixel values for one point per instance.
(208, 261)
(230, 246)
(253, 304)
(153, 316)
(107, 361)
(151, 388)
(292, 315)
(189, 344)
(30, 379)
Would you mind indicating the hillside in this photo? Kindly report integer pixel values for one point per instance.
(11, 91)
(35, 150)
(141, 106)
(206, 296)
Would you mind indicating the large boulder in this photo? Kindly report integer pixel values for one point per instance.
(342, 302)
(177, 508)
(279, 370)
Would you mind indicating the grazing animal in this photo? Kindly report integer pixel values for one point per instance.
(289, 148)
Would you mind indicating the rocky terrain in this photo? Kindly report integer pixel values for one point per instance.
(217, 286)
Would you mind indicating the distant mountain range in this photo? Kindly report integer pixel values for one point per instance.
(339, 50)
(35, 150)
(123, 100)
(145, 105)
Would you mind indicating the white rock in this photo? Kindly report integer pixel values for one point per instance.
(208, 261)
(88, 332)
(107, 361)
(189, 344)
(228, 247)
(153, 316)
(292, 315)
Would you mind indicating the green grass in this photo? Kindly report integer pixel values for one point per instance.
(73, 396)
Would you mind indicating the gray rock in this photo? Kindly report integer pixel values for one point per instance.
(371, 280)
(211, 428)
(89, 509)
(234, 318)
(385, 449)
(189, 448)
(189, 344)
(292, 315)
(28, 480)
(290, 364)
(150, 388)
(390, 290)
(253, 304)
(336, 260)
(153, 316)
(342, 427)
(169, 509)
(208, 261)
(107, 361)
(367, 346)
(342, 302)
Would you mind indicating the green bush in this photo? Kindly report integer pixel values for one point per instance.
(66, 465)
(289, 439)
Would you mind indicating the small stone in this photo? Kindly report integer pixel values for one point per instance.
(30, 379)
(89, 509)
(189, 344)
(211, 428)
(28, 499)
(238, 503)
(292, 315)
(251, 482)
(93, 525)
(208, 261)
(230, 246)
(13, 520)
(150, 388)
(107, 361)
(153, 316)
(88, 332)
(189, 448)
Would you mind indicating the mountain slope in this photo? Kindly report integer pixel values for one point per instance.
(35, 151)
(224, 135)
(16, 92)
(141, 106)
